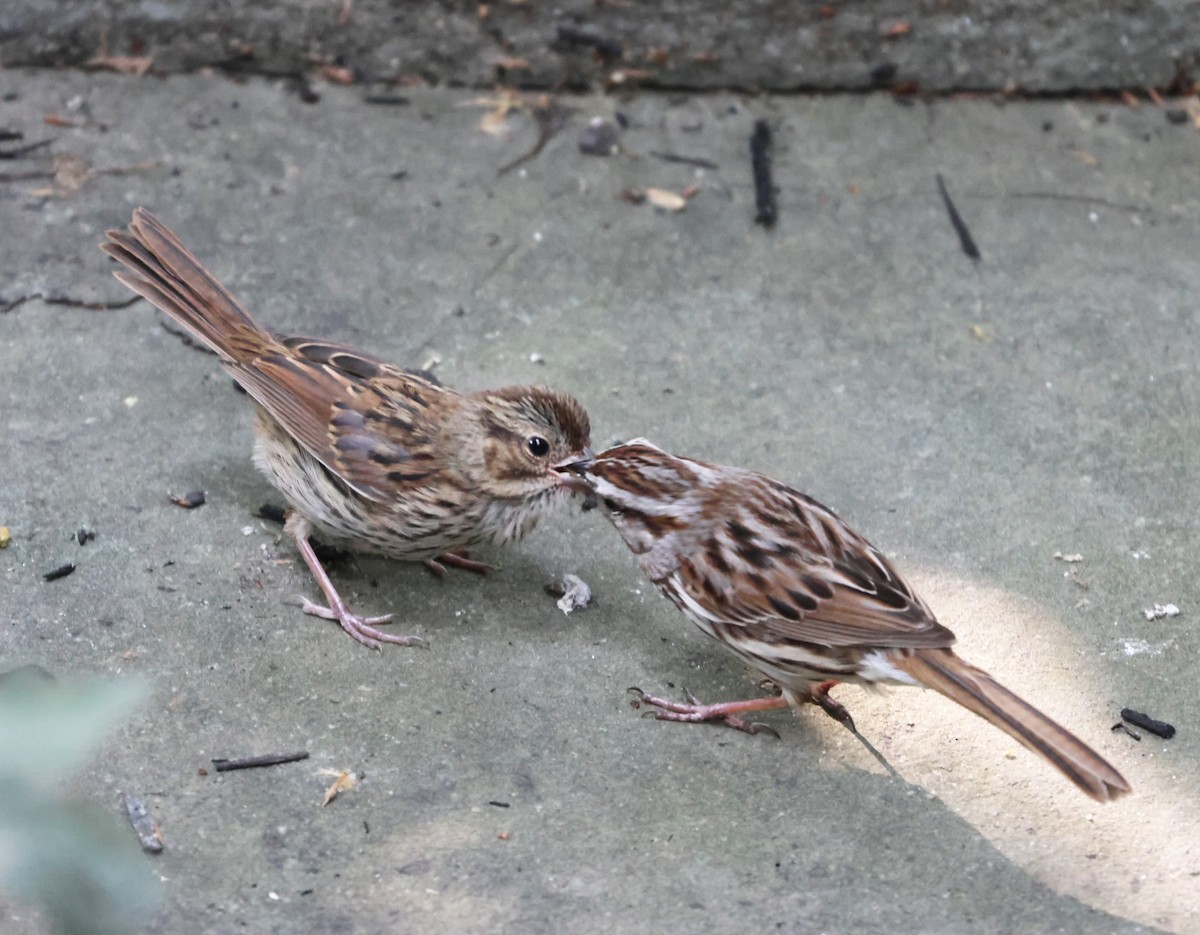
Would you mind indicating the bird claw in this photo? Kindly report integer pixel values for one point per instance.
(695, 711)
(460, 560)
(363, 629)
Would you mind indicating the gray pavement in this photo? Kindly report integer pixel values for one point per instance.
(1071, 45)
(972, 419)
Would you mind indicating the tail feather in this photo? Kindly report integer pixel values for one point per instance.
(161, 270)
(977, 691)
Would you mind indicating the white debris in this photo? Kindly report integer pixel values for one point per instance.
(1070, 558)
(1158, 611)
(576, 594)
(1140, 647)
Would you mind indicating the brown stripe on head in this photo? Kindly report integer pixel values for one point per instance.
(555, 412)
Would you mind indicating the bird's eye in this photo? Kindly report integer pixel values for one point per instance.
(538, 446)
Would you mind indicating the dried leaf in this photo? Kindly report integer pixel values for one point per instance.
(54, 120)
(1085, 157)
(344, 782)
(336, 74)
(897, 29)
(70, 172)
(511, 64)
(982, 334)
(667, 201)
(504, 103)
(135, 65)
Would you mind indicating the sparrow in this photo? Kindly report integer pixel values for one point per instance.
(793, 591)
(370, 456)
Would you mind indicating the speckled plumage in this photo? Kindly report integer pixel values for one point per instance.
(781, 581)
(369, 455)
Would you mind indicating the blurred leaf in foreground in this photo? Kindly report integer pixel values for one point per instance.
(73, 859)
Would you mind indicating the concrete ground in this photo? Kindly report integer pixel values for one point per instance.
(972, 418)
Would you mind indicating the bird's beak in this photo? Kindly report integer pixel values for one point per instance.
(572, 472)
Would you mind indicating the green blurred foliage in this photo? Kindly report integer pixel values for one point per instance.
(74, 860)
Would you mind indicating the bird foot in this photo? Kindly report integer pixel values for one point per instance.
(835, 709)
(362, 629)
(694, 711)
(459, 560)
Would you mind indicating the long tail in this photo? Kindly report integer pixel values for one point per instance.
(161, 270)
(977, 691)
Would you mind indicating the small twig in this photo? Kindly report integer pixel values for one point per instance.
(26, 176)
(21, 151)
(94, 306)
(69, 302)
(686, 160)
(550, 119)
(387, 100)
(1145, 722)
(766, 211)
(253, 762)
(960, 226)
(1121, 726)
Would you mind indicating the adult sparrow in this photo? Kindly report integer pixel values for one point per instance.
(370, 456)
(791, 589)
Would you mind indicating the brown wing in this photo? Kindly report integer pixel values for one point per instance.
(812, 579)
(366, 420)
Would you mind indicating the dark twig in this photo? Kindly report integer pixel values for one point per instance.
(686, 160)
(93, 306)
(21, 151)
(253, 762)
(69, 302)
(1124, 727)
(386, 100)
(549, 118)
(766, 211)
(1145, 722)
(960, 226)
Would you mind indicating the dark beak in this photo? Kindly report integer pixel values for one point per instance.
(572, 472)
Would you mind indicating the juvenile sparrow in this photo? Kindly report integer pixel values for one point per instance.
(369, 456)
(784, 583)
